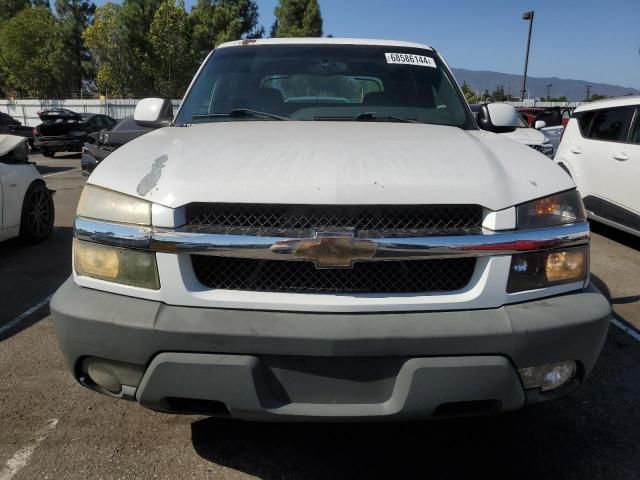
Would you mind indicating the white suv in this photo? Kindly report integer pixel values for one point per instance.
(323, 231)
(601, 151)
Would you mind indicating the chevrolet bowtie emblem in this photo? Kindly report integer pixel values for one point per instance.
(328, 250)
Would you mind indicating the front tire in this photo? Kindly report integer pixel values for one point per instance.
(48, 153)
(38, 214)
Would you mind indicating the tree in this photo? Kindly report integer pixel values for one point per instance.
(104, 38)
(10, 8)
(218, 21)
(172, 62)
(297, 18)
(26, 53)
(595, 97)
(466, 90)
(135, 19)
(498, 94)
(73, 59)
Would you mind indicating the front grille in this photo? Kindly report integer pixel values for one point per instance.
(402, 276)
(300, 220)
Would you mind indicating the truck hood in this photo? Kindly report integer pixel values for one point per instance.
(299, 162)
(528, 136)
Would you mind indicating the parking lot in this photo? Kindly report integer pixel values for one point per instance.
(52, 428)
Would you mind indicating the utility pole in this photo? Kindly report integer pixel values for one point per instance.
(527, 16)
(588, 87)
(549, 91)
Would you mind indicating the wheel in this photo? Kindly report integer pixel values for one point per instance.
(38, 214)
(48, 153)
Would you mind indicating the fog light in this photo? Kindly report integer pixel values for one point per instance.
(103, 375)
(548, 377)
(110, 374)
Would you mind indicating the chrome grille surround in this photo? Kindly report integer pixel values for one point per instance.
(188, 240)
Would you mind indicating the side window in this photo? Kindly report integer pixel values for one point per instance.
(4, 119)
(635, 135)
(98, 121)
(584, 121)
(611, 124)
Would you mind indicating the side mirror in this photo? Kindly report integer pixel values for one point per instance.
(498, 118)
(540, 124)
(153, 112)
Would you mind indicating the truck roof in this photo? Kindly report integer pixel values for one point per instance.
(324, 41)
(610, 102)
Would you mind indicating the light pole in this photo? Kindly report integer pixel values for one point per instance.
(549, 91)
(527, 16)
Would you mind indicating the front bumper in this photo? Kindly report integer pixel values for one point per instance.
(284, 365)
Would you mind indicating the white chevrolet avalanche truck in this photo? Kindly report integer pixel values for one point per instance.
(323, 231)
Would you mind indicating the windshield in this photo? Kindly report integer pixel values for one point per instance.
(325, 82)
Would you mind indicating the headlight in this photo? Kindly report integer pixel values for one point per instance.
(557, 209)
(110, 206)
(533, 270)
(114, 264)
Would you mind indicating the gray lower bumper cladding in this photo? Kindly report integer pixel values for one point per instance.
(249, 389)
(290, 366)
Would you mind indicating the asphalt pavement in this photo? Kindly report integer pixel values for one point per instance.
(52, 428)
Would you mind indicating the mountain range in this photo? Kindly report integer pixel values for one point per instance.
(573, 90)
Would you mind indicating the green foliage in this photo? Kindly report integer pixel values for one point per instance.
(171, 62)
(135, 19)
(26, 53)
(104, 38)
(9, 8)
(72, 58)
(297, 18)
(129, 47)
(498, 94)
(218, 21)
(595, 97)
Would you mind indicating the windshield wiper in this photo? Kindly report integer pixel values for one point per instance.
(370, 117)
(241, 113)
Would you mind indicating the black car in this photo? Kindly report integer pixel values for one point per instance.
(63, 130)
(11, 126)
(108, 141)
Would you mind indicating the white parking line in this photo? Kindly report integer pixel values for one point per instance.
(24, 315)
(60, 173)
(21, 458)
(624, 328)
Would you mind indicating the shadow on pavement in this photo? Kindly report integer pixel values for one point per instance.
(30, 273)
(602, 286)
(592, 433)
(619, 236)
(45, 169)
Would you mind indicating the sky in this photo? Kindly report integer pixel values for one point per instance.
(593, 40)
